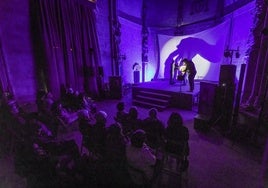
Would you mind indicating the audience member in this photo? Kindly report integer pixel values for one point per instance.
(121, 114)
(46, 103)
(97, 135)
(132, 122)
(92, 113)
(115, 144)
(36, 129)
(154, 129)
(69, 99)
(83, 121)
(15, 113)
(140, 158)
(177, 136)
(64, 114)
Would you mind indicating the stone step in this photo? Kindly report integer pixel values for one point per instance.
(148, 105)
(160, 95)
(152, 100)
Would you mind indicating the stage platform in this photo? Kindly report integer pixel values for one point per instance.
(161, 94)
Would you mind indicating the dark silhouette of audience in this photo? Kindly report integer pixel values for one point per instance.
(115, 144)
(132, 121)
(140, 159)
(177, 136)
(97, 135)
(154, 128)
(121, 154)
(121, 114)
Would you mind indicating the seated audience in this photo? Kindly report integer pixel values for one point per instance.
(92, 113)
(83, 121)
(97, 135)
(140, 158)
(35, 128)
(154, 129)
(64, 114)
(132, 121)
(69, 99)
(14, 112)
(177, 136)
(40, 94)
(121, 114)
(115, 144)
(45, 104)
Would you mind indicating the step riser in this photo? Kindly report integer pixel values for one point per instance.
(152, 100)
(151, 95)
(137, 103)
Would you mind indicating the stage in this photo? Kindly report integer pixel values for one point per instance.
(161, 94)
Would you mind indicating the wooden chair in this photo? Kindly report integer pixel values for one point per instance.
(138, 177)
(172, 162)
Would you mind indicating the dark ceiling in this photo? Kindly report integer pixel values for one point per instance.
(166, 16)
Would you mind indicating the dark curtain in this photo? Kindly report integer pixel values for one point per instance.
(5, 85)
(71, 46)
(256, 80)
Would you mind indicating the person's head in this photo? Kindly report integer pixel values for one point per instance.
(133, 112)
(83, 115)
(13, 106)
(93, 108)
(120, 106)
(138, 138)
(153, 112)
(70, 90)
(101, 117)
(49, 95)
(175, 119)
(115, 129)
(76, 93)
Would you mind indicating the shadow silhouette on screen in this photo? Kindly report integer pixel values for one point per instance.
(190, 47)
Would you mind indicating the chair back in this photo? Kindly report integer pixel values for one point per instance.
(138, 177)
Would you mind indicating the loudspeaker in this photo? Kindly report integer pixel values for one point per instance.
(136, 77)
(207, 98)
(224, 104)
(201, 123)
(115, 85)
(227, 75)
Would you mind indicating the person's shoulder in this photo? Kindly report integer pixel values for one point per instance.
(185, 128)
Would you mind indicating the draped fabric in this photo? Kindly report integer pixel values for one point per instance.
(4, 79)
(71, 45)
(257, 77)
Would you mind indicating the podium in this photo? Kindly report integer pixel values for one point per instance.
(136, 77)
(115, 84)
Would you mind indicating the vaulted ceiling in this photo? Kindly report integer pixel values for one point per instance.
(167, 15)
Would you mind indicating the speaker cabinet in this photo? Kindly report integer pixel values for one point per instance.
(136, 77)
(224, 105)
(115, 85)
(206, 98)
(227, 75)
(202, 123)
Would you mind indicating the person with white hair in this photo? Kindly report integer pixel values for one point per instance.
(140, 159)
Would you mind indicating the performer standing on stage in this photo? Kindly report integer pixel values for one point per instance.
(191, 70)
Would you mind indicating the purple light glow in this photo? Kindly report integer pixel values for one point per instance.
(206, 48)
